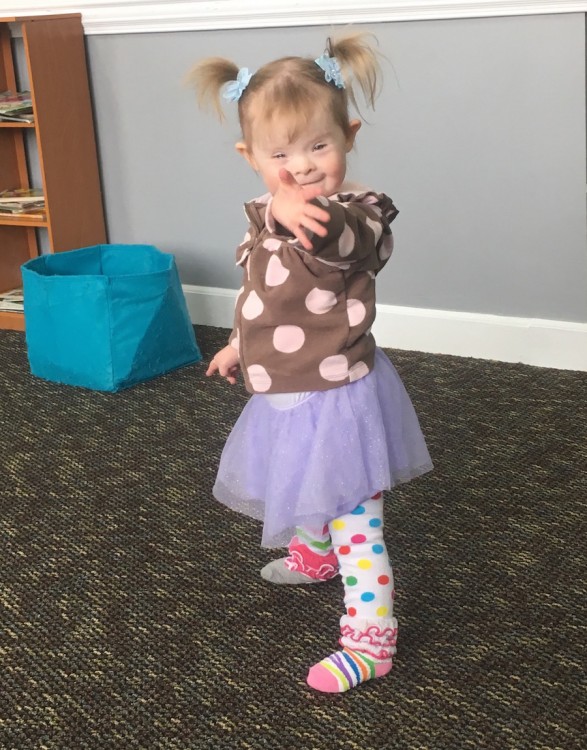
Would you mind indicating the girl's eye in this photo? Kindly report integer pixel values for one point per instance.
(319, 146)
(279, 156)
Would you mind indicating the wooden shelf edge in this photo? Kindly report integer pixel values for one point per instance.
(23, 221)
(39, 17)
(6, 124)
(11, 321)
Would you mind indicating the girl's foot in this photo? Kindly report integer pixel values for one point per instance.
(344, 670)
(277, 571)
(303, 564)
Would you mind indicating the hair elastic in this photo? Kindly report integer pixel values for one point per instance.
(233, 90)
(331, 68)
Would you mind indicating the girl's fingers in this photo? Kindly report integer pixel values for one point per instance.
(303, 239)
(212, 368)
(315, 227)
(317, 213)
(310, 192)
(287, 177)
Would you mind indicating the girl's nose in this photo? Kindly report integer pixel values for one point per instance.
(303, 165)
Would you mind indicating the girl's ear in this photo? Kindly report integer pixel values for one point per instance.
(243, 150)
(354, 127)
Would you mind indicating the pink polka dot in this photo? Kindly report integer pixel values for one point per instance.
(358, 538)
(288, 339)
(334, 368)
(386, 248)
(272, 244)
(320, 301)
(376, 227)
(356, 311)
(253, 307)
(346, 243)
(358, 370)
(276, 272)
(235, 343)
(259, 377)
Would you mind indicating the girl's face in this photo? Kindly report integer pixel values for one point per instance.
(317, 156)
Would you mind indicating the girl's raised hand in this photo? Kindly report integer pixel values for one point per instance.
(292, 209)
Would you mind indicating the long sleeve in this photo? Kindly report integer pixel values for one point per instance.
(359, 230)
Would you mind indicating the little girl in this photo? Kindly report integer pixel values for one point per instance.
(329, 425)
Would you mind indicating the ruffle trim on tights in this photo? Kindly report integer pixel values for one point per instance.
(377, 638)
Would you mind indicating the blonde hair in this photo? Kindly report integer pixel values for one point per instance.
(289, 87)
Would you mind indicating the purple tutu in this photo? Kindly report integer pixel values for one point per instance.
(311, 463)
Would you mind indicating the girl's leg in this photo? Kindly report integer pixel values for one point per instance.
(368, 629)
(311, 559)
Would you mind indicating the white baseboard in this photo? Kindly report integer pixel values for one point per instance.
(532, 341)
(135, 16)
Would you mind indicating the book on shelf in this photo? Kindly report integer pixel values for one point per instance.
(22, 201)
(12, 301)
(30, 118)
(16, 107)
(25, 207)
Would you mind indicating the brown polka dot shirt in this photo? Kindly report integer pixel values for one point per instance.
(303, 319)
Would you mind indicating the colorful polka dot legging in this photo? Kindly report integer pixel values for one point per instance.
(357, 539)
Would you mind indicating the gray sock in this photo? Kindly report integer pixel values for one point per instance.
(277, 572)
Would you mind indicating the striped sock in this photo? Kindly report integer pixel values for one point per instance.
(346, 669)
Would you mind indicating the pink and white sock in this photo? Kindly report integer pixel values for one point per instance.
(346, 669)
(312, 554)
(311, 559)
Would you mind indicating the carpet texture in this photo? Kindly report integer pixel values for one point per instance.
(132, 610)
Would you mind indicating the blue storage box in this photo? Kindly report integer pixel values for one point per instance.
(106, 317)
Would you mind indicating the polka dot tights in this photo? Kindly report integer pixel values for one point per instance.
(364, 564)
(368, 629)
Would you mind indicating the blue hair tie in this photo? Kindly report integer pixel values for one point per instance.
(233, 90)
(331, 68)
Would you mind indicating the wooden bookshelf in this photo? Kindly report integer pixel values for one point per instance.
(55, 58)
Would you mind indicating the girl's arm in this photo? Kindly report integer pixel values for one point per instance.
(335, 232)
(358, 230)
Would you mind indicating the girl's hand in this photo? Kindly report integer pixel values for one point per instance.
(292, 209)
(225, 363)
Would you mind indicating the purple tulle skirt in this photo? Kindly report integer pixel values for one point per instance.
(311, 463)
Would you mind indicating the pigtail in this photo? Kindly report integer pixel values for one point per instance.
(359, 62)
(208, 78)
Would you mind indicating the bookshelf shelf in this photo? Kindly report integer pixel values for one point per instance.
(17, 125)
(24, 220)
(11, 320)
(63, 131)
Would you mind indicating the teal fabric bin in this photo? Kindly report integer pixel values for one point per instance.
(106, 317)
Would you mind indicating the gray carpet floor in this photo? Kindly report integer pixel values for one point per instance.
(133, 614)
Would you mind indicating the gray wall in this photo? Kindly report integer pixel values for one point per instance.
(479, 137)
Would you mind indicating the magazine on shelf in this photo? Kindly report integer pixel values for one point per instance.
(20, 194)
(21, 201)
(16, 107)
(29, 207)
(12, 301)
(30, 118)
